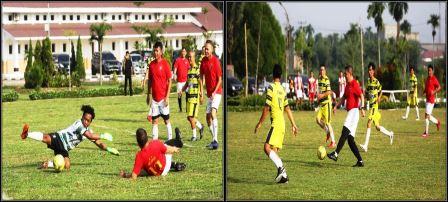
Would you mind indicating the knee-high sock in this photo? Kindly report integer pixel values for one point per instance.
(366, 142)
(168, 158)
(426, 125)
(276, 159)
(179, 101)
(215, 129)
(353, 147)
(194, 132)
(342, 139)
(385, 131)
(433, 119)
(407, 112)
(198, 124)
(416, 110)
(169, 131)
(330, 129)
(38, 136)
(155, 131)
(50, 164)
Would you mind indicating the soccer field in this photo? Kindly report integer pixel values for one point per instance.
(412, 168)
(94, 173)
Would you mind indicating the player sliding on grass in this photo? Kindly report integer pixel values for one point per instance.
(276, 104)
(63, 141)
(154, 156)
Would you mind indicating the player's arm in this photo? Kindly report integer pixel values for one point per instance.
(265, 113)
(342, 100)
(200, 88)
(132, 175)
(218, 84)
(168, 91)
(96, 139)
(380, 94)
(291, 119)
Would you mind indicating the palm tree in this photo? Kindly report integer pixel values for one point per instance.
(97, 33)
(375, 11)
(398, 10)
(405, 27)
(434, 21)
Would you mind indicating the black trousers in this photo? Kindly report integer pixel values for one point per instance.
(126, 80)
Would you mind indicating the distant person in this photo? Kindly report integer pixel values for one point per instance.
(312, 89)
(342, 83)
(432, 86)
(181, 66)
(412, 98)
(128, 70)
(298, 86)
(291, 87)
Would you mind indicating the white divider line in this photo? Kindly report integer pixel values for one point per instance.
(114, 129)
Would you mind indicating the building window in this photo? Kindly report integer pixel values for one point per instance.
(96, 17)
(119, 17)
(176, 17)
(143, 17)
(25, 17)
(113, 17)
(37, 17)
(63, 17)
(78, 17)
(45, 17)
(88, 17)
(126, 45)
(177, 43)
(18, 48)
(26, 48)
(52, 17)
(136, 17)
(149, 17)
(71, 17)
(183, 17)
(10, 49)
(10, 17)
(53, 48)
(113, 45)
(164, 16)
(64, 47)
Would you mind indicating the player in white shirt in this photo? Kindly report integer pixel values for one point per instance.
(298, 86)
(342, 84)
(63, 141)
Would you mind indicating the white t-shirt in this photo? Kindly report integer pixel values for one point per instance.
(73, 135)
(342, 84)
(298, 83)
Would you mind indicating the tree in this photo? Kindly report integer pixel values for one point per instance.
(405, 27)
(351, 46)
(29, 64)
(80, 69)
(35, 76)
(47, 61)
(151, 34)
(375, 11)
(72, 58)
(398, 10)
(234, 18)
(97, 33)
(434, 21)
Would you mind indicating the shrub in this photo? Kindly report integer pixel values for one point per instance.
(34, 77)
(36, 95)
(10, 96)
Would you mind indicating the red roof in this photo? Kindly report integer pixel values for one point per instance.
(37, 30)
(428, 54)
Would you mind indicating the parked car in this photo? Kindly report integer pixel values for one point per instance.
(138, 63)
(234, 86)
(110, 63)
(62, 62)
(146, 54)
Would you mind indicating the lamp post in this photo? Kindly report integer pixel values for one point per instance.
(288, 30)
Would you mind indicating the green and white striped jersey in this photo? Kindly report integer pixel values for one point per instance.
(73, 135)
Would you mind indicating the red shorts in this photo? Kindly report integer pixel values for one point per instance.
(311, 96)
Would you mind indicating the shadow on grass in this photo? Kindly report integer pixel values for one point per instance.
(319, 164)
(139, 111)
(123, 120)
(246, 181)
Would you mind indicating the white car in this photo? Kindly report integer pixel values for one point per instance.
(138, 63)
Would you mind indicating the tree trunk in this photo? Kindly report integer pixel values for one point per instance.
(379, 53)
(432, 61)
(245, 48)
(101, 62)
(398, 31)
(258, 56)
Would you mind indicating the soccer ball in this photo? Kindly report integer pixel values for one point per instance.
(321, 153)
(59, 163)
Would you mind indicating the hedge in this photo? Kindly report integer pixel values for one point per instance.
(10, 96)
(35, 95)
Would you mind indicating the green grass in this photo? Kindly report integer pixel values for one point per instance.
(94, 173)
(412, 168)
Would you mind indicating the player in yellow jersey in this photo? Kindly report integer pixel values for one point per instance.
(276, 104)
(373, 100)
(194, 93)
(324, 93)
(412, 97)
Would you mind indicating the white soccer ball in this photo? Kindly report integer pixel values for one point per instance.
(59, 163)
(321, 152)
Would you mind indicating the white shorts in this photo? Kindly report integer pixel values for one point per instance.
(299, 94)
(429, 107)
(351, 121)
(159, 108)
(213, 103)
(180, 85)
(341, 93)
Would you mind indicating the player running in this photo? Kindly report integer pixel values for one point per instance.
(154, 157)
(412, 98)
(352, 95)
(63, 141)
(324, 92)
(373, 100)
(194, 93)
(180, 70)
(158, 76)
(211, 74)
(432, 86)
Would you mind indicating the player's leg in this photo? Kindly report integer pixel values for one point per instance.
(272, 144)
(407, 108)
(130, 86)
(193, 127)
(369, 125)
(125, 85)
(179, 95)
(38, 136)
(328, 125)
(165, 113)
(168, 158)
(415, 99)
(354, 148)
(67, 163)
(428, 118)
(214, 111)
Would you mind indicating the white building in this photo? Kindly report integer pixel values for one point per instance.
(24, 21)
(390, 30)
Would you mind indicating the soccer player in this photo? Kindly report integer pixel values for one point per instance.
(194, 92)
(412, 98)
(211, 75)
(323, 118)
(298, 86)
(180, 70)
(373, 100)
(342, 83)
(312, 88)
(276, 104)
(432, 86)
(352, 94)
(158, 76)
(63, 141)
(154, 157)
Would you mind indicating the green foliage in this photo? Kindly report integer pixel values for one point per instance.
(35, 76)
(47, 62)
(37, 95)
(29, 64)
(10, 96)
(168, 55)
(72, 59)
(81, 72)
(190, 44)
(114, 78)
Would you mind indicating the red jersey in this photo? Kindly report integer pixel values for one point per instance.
(211, 68)
(159, 75)
(312, 85)
(151, 158)
(352, 93)
(182, 65)
(431, 84)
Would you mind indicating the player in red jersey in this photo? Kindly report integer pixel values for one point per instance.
(211, 73)
(154, 156)
(159, 82)
(432, 86)
(312, 83)
(181, 66)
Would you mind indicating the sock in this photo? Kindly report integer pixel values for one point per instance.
(433, 119)
(427, 125)
(169, 130)
(366, 142)
(155, 131)
(50, 164)
(342, 139)
(416, 110)
(385, 131)
(407, 112)
(194, 132)
(276, 159)
(326, 129)
(179, 100)
(198, 124)
(36, 136)
(330, 128)
(354, 148)
(215, 129)
(211, 129)
(168, 158)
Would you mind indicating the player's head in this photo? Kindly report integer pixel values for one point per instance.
(203, 50)
(88, 114)
(341, 74)
(277, 71)
(322, 71)
(371, 68)
(141, 137)
(191, 56)
(430, 70)
(127, 54)
(209, 46)
(349, 73)
(158, 50)
(183, 52)
(411, 70)
(312, 74)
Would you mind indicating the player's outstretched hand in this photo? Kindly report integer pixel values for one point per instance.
(334, 110)
(363, 113)
(256, 128)
(295, 130)
(106, 136)
(113, 151)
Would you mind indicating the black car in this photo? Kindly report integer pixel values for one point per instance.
(110, 63)
(62, 62)
(234, 86)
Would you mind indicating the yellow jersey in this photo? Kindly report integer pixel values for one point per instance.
(193, 85)
(276, 99)
(324, 86)
(373, 91)
(413, 86)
